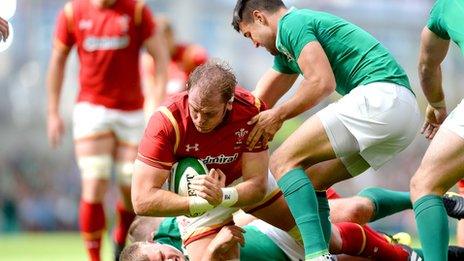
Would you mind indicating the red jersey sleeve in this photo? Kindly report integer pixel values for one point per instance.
(63, 30)
(157, 146)
(147, 23)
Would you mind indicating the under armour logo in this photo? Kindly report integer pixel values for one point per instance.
(188, 147)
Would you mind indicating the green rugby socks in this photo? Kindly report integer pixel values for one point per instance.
(324, 214)
(301, 199)
(387, 202)
(432, 224)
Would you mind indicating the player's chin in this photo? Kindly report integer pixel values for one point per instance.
(203, 129)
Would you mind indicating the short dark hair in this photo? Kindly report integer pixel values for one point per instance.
(133, 252)
(213, 78)
(244, 8)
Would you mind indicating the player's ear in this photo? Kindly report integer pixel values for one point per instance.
(229, 103)
(259, 17)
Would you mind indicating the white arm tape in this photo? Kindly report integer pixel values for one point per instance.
(198, 206)
(229, 196)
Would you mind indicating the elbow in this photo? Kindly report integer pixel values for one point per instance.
(139, 205)
(426, 70)
(330, 86)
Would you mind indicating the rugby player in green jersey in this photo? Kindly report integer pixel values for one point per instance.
(377, 117)
(443, 163)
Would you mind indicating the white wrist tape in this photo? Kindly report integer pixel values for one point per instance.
(229, 196)
(437, 105)
(198, 206)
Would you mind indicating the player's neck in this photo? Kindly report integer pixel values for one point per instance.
(275, 17)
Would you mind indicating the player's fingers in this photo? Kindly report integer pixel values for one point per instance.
(252, 134)
(255, 139)
(198, 180)
(428, 131)
(265, 140)
(253, 120)
(222, 178)
(424, 127)
(435, 130)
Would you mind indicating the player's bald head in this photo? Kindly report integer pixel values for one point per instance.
(213, 79)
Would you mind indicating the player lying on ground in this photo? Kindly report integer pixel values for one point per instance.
(156, 238)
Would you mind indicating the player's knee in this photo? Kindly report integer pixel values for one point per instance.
(123, 172)
(360, 210)
(356, 209)
(279, 163)
(422, 183)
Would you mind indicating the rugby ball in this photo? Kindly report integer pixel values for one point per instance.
(182, 173)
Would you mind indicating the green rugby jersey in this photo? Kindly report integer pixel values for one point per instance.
(258, 246)
(355, 56)
(447, 21)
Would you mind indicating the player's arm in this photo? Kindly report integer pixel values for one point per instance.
(156, 48)
(55, 75)
(317, 84)
(149, 199)
(224, 244)
(254, 173)
(273, 85)
(432, 52)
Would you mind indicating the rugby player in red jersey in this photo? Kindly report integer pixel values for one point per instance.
(108, 119)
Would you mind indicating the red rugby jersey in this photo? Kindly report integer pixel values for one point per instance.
(108, 42)
(171, 135)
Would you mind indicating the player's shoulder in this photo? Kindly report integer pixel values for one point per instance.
(245, 103)
(175, 104)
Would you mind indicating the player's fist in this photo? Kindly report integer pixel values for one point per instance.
(209, 186)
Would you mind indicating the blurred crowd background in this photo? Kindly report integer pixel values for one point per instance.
(40, 187)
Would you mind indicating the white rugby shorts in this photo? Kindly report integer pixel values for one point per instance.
(371, 124)
(455, 120)
(92, 120)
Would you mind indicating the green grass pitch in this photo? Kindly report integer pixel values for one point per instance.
(47, 246)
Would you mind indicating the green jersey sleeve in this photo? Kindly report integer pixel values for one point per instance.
(436, 23)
